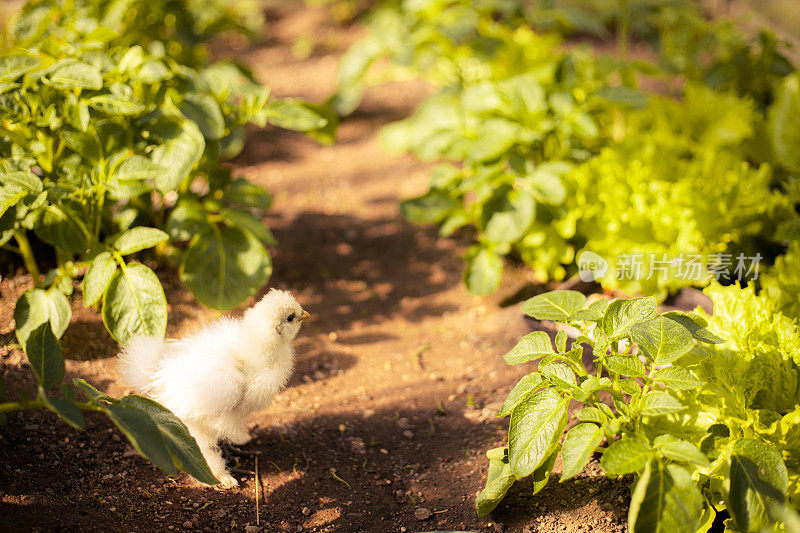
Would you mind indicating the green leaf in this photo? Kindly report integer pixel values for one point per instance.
(430, 208)
(495, 138)
(134, 304)
(536, 426)
(498, 481)
(247, 221)
(677, 378)
(665, 500)
(45, 356)
(243, 192)
(36, 307)
(758, 484)
(181, 445)
(136, 167)
(541, 475)
(204, 111)
(524, 388)
(783, 129)
(695, 325)
(593, 313)
(622, 314)
(579, 445)
(225, 266)
(326, 135)
(67, 410)
(76, 75)
(484, 271)
(532, 346)
(139, 238)
(98, 277)
(143, 434)
(23, 179)
(661, 340)
(115, 105)
(560, 375)
(91, 392)
(681, 451)
(59, 226)
(660, 403)
(591, 414)
(77, 114)
(12, 67)
(180, 149)
(628, 455)
(557, 306)
(187, 219)
(85, 144)
(506, 217)
(625, 365)
(294, 115)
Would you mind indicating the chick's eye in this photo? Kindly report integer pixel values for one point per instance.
(290, 318)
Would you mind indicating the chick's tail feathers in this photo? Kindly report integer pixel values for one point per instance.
(138, 361)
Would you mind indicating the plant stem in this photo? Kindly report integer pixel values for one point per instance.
(27, 255)
(19, 406)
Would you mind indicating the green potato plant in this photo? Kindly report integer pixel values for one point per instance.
(156, 433)
(110, 149)
(704, 423)
(551, 151)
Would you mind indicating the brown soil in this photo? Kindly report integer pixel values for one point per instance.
(386, 421)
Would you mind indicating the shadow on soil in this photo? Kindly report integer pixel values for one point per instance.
(350, 472)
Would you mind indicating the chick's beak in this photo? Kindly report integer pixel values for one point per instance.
(304, 315)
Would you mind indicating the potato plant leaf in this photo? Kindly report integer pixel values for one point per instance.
(224, 266)
(521, 391)
(204, 111)
(665, 500)
(134, 304)
(498, 481)
(626, 455)
(179, 442)
(36, 307)
(533, 346)
(484, 271)
(142, 432)
(181, 147)
(536, 425)
(67, 410)
(139, 238)
(622, 314)
(187, 219)
(557, 306)
(45, 356)
(579, 445)
(97, 278)
(758, 483)
(294, 115)
(661, 340)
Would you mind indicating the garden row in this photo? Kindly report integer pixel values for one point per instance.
(557, 156)
(113, 130)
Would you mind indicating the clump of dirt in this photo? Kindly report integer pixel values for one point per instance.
(387, 419)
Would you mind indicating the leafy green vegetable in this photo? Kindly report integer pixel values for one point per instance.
(697, 419)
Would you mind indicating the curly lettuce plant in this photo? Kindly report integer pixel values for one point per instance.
(670, 402)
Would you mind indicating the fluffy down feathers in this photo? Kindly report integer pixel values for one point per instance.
(214, 379)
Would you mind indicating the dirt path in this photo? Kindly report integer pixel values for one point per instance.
(386, 421)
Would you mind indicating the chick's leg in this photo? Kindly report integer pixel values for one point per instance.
(213, 456)
(239, 434)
